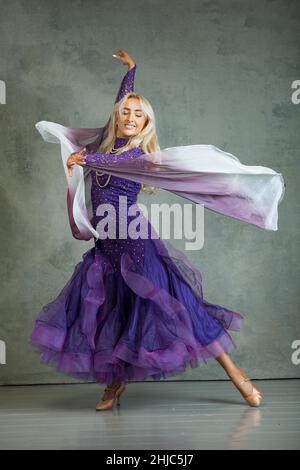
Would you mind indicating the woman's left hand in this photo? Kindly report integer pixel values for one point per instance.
(125, 58)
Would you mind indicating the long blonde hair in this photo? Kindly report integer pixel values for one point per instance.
(147, 139)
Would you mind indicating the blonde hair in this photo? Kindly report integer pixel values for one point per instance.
(147, 139)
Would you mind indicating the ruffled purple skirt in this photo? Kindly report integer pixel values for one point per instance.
(134, 323)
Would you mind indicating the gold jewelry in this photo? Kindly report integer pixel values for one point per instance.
(98, 173)
(106, 182)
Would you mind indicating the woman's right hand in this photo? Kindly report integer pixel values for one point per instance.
(125, 58)
(76, 158)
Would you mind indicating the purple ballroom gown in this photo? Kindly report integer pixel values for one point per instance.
(132, 309)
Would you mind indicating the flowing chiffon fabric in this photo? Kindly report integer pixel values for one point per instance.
(150, 319)
(201, 173)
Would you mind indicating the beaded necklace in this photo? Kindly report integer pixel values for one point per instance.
(98, 173)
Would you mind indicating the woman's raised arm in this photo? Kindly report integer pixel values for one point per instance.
(127, 84)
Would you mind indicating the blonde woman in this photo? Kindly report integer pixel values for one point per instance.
(133, 309)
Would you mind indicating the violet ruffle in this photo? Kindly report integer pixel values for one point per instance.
(133, 324)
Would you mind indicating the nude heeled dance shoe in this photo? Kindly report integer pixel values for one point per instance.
(109, 403)
(253, 396)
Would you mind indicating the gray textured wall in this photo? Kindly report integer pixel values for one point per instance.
(216, 72)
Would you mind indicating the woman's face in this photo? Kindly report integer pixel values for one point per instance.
(131, 120)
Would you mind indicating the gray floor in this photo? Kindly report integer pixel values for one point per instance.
(152, 415)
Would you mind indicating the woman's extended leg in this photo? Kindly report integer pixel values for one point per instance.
(250, 392)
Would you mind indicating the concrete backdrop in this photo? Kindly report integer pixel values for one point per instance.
(217, 72)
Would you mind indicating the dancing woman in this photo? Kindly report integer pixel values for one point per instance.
(134, 308)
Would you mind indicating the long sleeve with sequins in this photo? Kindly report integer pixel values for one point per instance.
(93, 160)
(127, 84)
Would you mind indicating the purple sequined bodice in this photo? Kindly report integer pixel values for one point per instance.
(109, 194)
(116, 186)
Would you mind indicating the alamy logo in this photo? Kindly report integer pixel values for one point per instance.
(296, 354)
(116, 217)
(296, 94)
(2, 352)
(2, 92)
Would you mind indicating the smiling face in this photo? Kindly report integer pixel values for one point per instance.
(131, 119)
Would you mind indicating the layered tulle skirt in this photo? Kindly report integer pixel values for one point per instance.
(141, 321)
